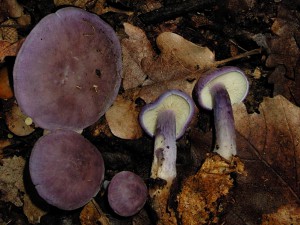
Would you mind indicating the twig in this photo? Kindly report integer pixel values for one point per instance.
(173, 11)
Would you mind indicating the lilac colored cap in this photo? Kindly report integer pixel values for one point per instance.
(232, 78)
(68, 71)
(66, 169)
(127, 193)
(177, 101)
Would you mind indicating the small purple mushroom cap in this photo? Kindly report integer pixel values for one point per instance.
(127, 193)
(68, 71)
(173, 100)
(66, 169)
(232, 78)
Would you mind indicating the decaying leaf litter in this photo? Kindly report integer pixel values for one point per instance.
(266, 192)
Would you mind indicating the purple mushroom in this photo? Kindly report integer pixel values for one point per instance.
(127, 193)
(218, 90)
(166, 119)
(66, 169)
(68, 71)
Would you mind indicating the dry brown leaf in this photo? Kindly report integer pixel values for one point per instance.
(11, 180)
(92, 214)
(275, 134)
(15, 121)
(14, 9)
(8, 31)
(5, 89)
(192, 56)
(100, 128)
(31, 211)
(178, 58)
(78, 3)
(122, 118)
(286, 215)
(8, 49)
(284, 55)
(198, 199)
(134, 48)
(3, 144)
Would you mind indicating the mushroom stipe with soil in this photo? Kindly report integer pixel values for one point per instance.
(218, 89)
(166, 119)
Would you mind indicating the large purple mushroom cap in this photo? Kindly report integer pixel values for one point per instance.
(66, 169)
(127, 193)
(68, 71)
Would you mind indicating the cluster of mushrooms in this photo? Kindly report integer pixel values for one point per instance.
(75, 89)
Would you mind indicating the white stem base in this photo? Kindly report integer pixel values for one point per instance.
(165, 152)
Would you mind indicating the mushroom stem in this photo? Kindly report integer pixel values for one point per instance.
(164, 166)
(164, 162)
(224, 122)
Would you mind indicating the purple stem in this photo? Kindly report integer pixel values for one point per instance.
(224, 122)
(165, 152)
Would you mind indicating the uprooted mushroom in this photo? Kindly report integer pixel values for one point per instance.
(218, 89)
(166, 119)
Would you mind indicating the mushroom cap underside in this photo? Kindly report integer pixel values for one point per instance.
(231, 78)
(179, 102)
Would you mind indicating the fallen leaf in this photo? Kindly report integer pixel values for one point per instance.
(5, 89)
(286, 215)
(199, 199)
(178, 58)
(78, 3)
(11, 180)
(8, 49)
(135, 48)
(8, 31)
(122, 118)
(192, 56)
(14, 9)
(275, 134)
(16, 122)
(31, 211)
(92, 214)
(284, 55)
(3, 144)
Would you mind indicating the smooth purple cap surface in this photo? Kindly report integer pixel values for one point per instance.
(232, 78)
(177, 101)
(68, 70)
(66, 169)
(127, 193)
